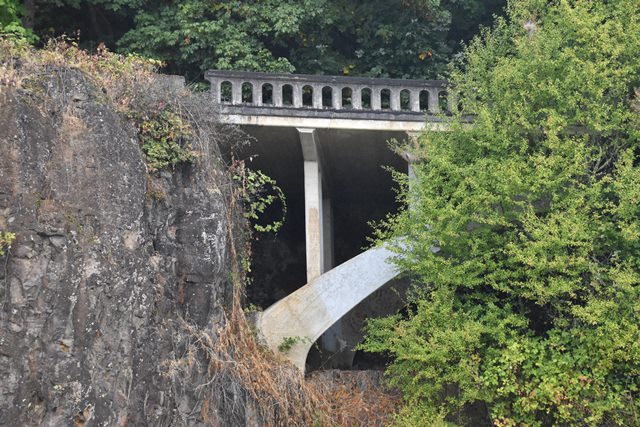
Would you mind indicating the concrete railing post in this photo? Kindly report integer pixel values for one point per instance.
(277, 94)
(376, 94)
(297, 96)
(257, 92)
(317, 96)
(356, 98)
(395, 99)
(214, 89)
(236, 92)
(336, 99)
(434, 102)
(415, 100)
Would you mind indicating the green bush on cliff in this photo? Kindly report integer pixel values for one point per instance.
(6, 238)
(523, 231)
(10, 23)
(165, 139)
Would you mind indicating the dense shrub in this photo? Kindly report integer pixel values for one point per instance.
(523, 232)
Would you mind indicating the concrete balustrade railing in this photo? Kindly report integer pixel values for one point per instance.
(334, 93)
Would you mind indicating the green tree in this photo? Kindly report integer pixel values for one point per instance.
(392, 38)
(201, 34)
(523, 231)
(11, 12)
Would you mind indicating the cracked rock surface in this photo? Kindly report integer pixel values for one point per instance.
(95, 288)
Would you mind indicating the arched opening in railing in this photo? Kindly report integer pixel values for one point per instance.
(267, 93)
(365, 98)
(327, 97)
(443, 101)
(287, 95)
(225, 91)
(424, 100)
(385, 99)
(405, 100)
(347, 93)
(247, 93)
(307, 96)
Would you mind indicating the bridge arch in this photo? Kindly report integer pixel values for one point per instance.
(287, 95)
(385, 99)
(225, 91)
(405, 100)
(424, 100)
(365, 98)
(247, 93)
(327, 97)
(347, 95)
(307, 96)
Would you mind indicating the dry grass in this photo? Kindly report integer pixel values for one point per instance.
(356, 398)
(123, 78)
(248, 382)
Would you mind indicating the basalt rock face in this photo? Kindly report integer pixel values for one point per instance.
(107, 267)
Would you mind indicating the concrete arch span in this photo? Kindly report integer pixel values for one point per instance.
(302, 317)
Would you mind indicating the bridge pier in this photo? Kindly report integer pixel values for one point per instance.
(336, 347)
(316, 236)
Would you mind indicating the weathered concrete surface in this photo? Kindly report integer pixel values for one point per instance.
(106, 266)
(305, 314)
(313, 204)
(327, 94)
(260, 118)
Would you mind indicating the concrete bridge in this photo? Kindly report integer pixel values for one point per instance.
(335, 131)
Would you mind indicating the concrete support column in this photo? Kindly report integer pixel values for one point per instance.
(313, 203)
(327, 237)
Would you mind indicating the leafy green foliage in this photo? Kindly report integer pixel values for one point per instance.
(260, 193)
(395, 38)
(523, 230)
(228, 35)
(165, 140)
(6, 238)
(10, 23)
(288, 342)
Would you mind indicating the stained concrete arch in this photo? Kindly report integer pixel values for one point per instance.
(302, 317)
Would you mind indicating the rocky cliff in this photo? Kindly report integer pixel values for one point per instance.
(109, 264)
